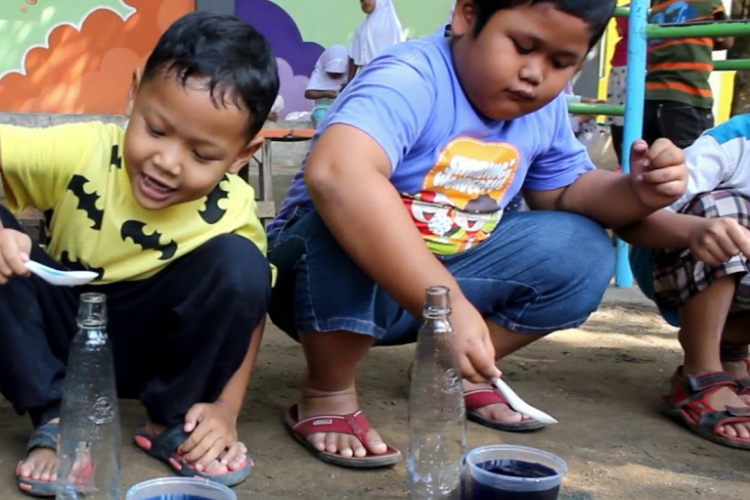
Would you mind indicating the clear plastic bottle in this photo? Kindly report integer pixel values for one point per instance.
(89, 446)
(437, 416)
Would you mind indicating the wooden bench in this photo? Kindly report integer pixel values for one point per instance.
(266, 202)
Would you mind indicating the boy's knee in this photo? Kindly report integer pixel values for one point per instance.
(243, 273)
(720, 204)
(583, 250)
(582, 263)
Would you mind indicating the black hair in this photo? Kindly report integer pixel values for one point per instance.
(596, 13)
(231, 54)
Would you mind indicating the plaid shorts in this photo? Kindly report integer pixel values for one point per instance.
(678, 276)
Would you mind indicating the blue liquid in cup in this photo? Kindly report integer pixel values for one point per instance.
(178, 497)
(513, 468)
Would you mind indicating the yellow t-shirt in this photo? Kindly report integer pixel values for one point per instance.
(74, 173)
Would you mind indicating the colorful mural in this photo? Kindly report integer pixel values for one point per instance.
(295, 57)
(300, 30)
(77, 57)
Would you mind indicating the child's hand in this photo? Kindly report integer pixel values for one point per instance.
(715, 241)
(15, 248)
(476, 353)
(213, 436)
(658, 174)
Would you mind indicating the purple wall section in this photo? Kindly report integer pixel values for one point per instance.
(296, 58)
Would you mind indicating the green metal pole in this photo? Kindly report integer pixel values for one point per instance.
(624, 12)
(732, 65)
(695, 30)
(580, 108)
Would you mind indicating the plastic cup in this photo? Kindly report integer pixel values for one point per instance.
(514, 473)
(180, 488)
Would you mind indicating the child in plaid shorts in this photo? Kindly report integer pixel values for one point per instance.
(692, 260)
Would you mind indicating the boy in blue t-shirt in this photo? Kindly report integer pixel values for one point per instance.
(158, 211)
(405, 187)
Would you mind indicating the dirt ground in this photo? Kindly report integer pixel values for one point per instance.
(601, 381)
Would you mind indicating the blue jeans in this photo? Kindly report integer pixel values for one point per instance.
(539, 272)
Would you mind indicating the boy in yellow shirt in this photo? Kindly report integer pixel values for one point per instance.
(158, 211)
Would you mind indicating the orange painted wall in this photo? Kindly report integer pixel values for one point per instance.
(89, 71)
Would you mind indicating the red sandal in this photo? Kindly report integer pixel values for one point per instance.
(354, 424)
(477, 399)
(687, 401)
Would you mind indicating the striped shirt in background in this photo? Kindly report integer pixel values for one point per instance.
(678, 70)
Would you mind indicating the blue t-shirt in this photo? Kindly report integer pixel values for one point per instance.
(455, 169)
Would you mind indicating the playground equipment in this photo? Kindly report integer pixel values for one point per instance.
(639, 33)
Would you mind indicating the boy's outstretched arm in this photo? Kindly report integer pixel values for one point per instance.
(347, 175)
(662, 229)
(712, 240)
(658, 176)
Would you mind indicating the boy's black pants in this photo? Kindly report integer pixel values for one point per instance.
(178, 337)
(679, 122)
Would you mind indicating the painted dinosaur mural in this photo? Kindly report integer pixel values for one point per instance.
(295, 57)
(299, 31)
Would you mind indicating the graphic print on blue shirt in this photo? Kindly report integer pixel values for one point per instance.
(677, 13)
(458, 205)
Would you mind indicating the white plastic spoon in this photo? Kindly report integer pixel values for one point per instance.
(520, 405)
(61, 278)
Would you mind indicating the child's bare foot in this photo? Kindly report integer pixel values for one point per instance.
(316, 403)
(40, 464)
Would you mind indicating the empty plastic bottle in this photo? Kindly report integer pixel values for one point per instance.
(89, 446)
(437, 423)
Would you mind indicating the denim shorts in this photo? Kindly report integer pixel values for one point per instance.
(539, 272)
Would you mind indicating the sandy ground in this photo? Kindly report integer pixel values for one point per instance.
(601, 381)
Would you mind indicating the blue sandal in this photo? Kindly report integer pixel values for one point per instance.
(164, 448)
(45, 437)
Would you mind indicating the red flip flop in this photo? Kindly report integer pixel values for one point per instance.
(354, 424)
(477, 399)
